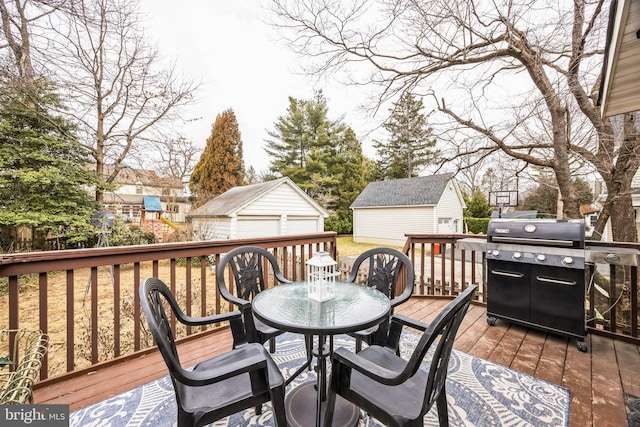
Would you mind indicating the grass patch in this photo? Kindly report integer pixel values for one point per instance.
(347, 247)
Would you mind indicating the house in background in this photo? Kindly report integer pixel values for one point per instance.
(270, 208)
(386, 210)
(127, 201)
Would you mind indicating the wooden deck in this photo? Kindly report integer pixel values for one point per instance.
(596, 379)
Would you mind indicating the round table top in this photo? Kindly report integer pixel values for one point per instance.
(354, 307)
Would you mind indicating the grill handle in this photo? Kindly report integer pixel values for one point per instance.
(507, 274)
(556, 281)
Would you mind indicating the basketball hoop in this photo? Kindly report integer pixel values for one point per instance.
(501, 199)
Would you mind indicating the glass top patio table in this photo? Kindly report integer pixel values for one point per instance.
(287, 307)
(354, 308)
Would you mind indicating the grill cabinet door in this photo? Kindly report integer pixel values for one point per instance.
(557, 299)
(508, 289)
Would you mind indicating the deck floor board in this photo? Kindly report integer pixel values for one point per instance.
(596, 379)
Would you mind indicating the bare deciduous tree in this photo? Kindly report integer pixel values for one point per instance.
(517, 74)
(117, 89)
(115, 86)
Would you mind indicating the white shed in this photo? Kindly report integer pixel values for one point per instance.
(267, 209)
(386, 210)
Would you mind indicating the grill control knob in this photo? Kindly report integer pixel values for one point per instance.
(567, 260)
(517, 255)
(612, 258)
(495, 253)
(541, 258)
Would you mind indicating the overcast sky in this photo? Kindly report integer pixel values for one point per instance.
(243, 66)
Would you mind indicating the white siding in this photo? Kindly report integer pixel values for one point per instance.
(450, 206)
(388, 226)
(257, 227)
(212, 228)
(282, 200)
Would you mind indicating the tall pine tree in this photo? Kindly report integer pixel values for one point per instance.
(221, 165)
(409, 147)
(44, 172)
(321, 156)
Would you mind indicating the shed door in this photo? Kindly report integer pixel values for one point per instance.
(445, 226)
(258, 227)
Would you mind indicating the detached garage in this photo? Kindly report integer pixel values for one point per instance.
(386, 210)
(267, 209)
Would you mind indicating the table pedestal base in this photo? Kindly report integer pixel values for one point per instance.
(300, 405)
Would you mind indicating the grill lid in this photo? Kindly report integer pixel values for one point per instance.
(542, 232)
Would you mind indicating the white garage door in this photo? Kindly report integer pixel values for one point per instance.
(258, 227)
(302, 225)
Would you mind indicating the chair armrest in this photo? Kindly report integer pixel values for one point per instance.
(404, 296)
(408, 321)
(239, 302)
(344, 357)
(398, 321)
(201, 321)
(254, 361)
(234, 318)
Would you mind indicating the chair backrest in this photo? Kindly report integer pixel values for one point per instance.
(152, 292)
(247, 265)
(387, 269)
(441, 332)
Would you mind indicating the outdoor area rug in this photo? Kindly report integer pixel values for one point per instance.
(479, 393)
(632, 406)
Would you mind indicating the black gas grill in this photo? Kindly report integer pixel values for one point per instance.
(536, 275)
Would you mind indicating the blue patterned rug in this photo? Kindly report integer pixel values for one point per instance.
(479, 393)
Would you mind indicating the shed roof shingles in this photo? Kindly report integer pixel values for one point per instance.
(419, 191)
(235, 198)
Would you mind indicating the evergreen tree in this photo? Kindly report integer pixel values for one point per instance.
(321, 156)
(304, 148)
(477, 205)
(44, 174)
(221, 165)
(409, 147)
(351, 172)
(303, 145)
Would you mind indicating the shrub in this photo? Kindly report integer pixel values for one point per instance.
(477, 225)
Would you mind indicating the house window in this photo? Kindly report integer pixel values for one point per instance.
(138, 187)
(173, 208)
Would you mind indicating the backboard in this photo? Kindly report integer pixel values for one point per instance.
(503, 198)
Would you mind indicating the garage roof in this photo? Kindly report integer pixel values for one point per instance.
(419, 191)
(237, 198)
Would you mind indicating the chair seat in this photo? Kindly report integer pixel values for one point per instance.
(408, 397)
(266, 330)
(226, 393)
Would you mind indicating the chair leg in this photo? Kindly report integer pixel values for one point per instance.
(272, 345)
(441, 403)
(277, 403)
(358, 345)
(258, 409)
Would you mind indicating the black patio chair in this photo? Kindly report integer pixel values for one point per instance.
(396, 391)
(250, 278)
(384, 271)
(242, 378)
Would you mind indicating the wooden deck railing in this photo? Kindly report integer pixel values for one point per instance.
(87, 300)
(612, 291)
